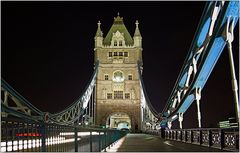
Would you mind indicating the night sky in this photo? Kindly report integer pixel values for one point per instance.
(47, 52)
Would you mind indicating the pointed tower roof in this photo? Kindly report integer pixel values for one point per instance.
(99, 31)
(137, 32)
(118, 25)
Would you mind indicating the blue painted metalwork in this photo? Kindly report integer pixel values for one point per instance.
(208, 44)
(203, 33)
(205, 50)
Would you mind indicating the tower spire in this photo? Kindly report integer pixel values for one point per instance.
(137, 36)
(137, 32)
(99, 31)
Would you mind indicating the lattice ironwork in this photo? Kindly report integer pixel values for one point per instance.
(189, 136)
(216, 139)
(179, 135)
(225, 139)
(196, 136)
(231, 140)
(205, 138)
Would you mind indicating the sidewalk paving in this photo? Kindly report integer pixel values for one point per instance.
(150, 143)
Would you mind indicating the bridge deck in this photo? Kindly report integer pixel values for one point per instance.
(150, 143)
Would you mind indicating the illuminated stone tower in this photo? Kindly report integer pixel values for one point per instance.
(117, 86)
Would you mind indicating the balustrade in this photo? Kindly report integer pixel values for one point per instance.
(225, 139)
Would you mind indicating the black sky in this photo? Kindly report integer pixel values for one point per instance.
(47, 52)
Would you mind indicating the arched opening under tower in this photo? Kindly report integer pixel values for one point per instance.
(118, 121)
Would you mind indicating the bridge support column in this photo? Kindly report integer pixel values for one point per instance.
(229, 38)
(198, 97)
(180, 119)
(169, 124)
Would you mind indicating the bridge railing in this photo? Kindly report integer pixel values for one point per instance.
(225, 139)
(29, 136)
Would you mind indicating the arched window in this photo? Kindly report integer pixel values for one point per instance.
(118, 76)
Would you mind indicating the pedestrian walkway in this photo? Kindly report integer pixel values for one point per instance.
(150, 143)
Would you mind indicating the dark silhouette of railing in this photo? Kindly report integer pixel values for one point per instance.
(21, 135)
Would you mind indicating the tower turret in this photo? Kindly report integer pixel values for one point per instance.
(99, 36)
(137, 38)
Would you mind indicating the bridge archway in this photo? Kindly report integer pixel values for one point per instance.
(118, 120)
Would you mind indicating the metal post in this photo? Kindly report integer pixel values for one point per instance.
(109, 139)
(90, 141)
(85, 116)
(36, 138)
(76, 141)
(198, 97)
(180, 119)
(27, 136)
(229, 37)
(105, 139)
(92, 107)
(234, 80)
(221, 138)
(13, 132)
(169, 124)
(200, 137)
(209, 138)
(99, 141)
(94, 117)
(89, 112)
(32, 137)
(18, 131)
(6, 128)
(43, 138)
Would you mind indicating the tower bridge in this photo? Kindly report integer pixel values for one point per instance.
(115, 101)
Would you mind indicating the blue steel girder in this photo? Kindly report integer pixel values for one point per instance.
(205, 50)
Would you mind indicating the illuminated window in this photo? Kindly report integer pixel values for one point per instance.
(106, 76)
(118, 94)
(130, 77)
(115, 54)
(127, 95)
(125, 54)
(120, 43)
(115, 43)
(110, 54)
(109, 95)
(120, 53)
